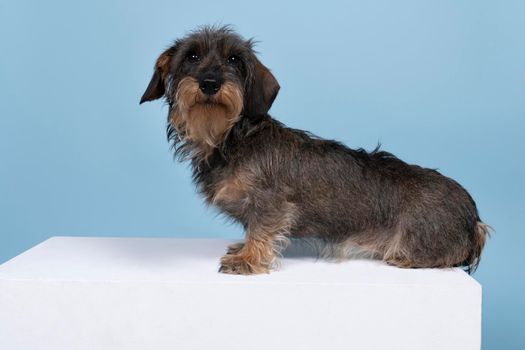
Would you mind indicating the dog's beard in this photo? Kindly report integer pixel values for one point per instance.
(205, 120)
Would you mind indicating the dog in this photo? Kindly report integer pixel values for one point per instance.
(283, 183)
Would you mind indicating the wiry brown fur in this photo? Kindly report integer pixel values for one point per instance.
(282, 183)
(202, 122)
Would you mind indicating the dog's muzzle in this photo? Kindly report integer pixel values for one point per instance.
(209, 86)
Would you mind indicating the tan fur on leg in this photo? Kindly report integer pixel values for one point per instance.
(253, 258)
(264, 243)
(234, 248)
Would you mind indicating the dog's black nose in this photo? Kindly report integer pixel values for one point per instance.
(209, 86)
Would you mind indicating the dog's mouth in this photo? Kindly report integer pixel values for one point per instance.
(227, 99)
(226, 102)
(205, 119)
(208, 101)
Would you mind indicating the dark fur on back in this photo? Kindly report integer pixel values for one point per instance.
(280, 182)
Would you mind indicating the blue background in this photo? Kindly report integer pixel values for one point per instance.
(438, 83)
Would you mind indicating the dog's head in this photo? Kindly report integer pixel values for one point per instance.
(211, 78)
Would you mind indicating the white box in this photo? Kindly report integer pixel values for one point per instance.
(164, 293)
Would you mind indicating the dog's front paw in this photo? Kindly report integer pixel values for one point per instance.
(238, 265)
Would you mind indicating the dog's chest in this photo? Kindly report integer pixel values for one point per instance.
(232, 188)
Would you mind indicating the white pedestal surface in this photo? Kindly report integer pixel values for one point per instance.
(73, 293)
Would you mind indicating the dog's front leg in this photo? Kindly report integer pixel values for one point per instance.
(255, 256)
(234, 248)
(264, 240)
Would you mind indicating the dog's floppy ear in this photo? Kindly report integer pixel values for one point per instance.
(156, 87)
(262, 91)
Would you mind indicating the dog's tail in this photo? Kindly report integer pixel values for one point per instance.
(482, 231)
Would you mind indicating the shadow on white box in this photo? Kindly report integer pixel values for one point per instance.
(165, 293)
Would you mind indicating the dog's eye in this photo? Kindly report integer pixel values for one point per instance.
(233, 59)
(193, 57)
